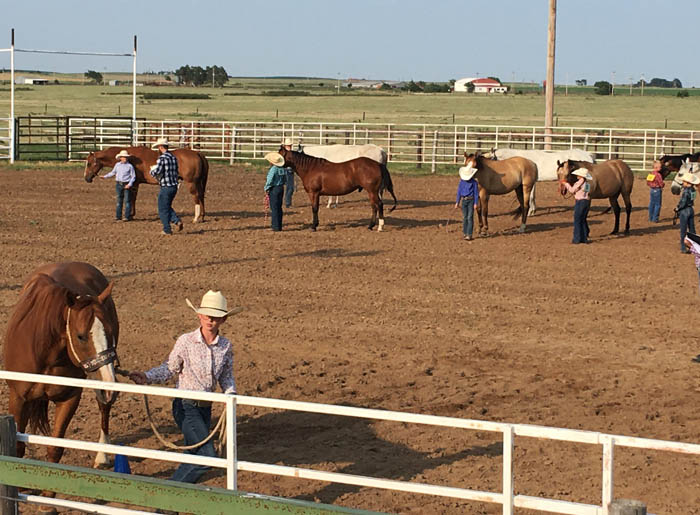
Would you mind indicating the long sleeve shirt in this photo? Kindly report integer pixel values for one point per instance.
(166, 170)
(657, 182)
(695, 251)
(687, 199)
(580, 189)
(198, 366)
(276, 176)
(468, 188)
(124, 173)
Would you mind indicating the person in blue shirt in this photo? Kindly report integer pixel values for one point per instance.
(684, 209)
(274, 188)
(468, 194)
(166, 172)
(125, 178)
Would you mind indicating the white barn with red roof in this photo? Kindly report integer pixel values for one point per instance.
(480, 85)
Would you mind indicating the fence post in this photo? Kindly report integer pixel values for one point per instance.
(628, 507)
(608, 470)
(231, 447)
(8, 447)
(419, 151)
(508, 470)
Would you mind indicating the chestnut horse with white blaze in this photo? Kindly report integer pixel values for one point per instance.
(64, 324)
(321, 177)
(193, 168)
(498, 178)
(610, 180)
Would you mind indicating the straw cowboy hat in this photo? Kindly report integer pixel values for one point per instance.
(287, 141)
(123, 153)
(582, 172)
(689, 177)
(214, 305)
(465, 173)
(161, 141)
(274, 158)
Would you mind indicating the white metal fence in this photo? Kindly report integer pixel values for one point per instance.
(5, 138)
(506, 497)
(87, 134)
(415, 143)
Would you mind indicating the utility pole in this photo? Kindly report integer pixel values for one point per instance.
(642, 79)
(549, 87)
(612, 84)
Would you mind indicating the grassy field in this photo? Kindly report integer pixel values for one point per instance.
(251, 99)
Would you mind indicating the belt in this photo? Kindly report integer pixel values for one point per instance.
(123, 182)
(199, 404)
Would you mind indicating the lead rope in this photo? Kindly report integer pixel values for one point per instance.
(219, 428)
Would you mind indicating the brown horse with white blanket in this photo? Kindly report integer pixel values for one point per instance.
(64, 324)
(321, 177)
(193, 169)
(500, 177)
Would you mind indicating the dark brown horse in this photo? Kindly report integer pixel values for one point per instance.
(673, 163)
(192, 166)
(64, 324)
(610, 180)
(321, 177)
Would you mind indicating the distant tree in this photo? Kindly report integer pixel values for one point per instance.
(452, 82)
(385, 87)
(349, 84)
(291, 84)
(581, 82)
(663, 83)
(470, 87)
(602, 87)
(496, 79)
(168, 78)
(412, 87)
(321, 84)
(675, 83)
(435, 87)
(94, 76)
(683, 94)
(219, 74)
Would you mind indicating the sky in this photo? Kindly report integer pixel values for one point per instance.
(438, 40)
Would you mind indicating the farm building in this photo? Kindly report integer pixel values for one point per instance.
(31, 81)
(480, 85)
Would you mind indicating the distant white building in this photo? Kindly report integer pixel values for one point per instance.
(480, 85)
(31, 81)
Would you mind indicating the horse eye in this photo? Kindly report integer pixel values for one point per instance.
(82, 337)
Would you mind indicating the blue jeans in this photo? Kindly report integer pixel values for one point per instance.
(194, 422)
(165, 207)
(467, 215)
(686, 218)
(276, 207)
(581, 229)
(123, 195)
(654, 204)
(289, 189)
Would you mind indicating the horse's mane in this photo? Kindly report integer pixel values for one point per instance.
(38, 317)
(580, 164)
(305, 160)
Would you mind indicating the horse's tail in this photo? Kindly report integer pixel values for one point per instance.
(387, 184)
(205, 175)
(38, 415)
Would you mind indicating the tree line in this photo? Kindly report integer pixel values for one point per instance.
(198, 76)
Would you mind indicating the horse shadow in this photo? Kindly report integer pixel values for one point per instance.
(303, 439)
(418, 204)
(332, 253)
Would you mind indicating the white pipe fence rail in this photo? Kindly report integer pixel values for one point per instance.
(6, 138)
(506, 497)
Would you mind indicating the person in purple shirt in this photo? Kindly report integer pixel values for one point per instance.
(125, 177)
(468, 194)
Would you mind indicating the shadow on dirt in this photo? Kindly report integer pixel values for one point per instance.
(332, 253)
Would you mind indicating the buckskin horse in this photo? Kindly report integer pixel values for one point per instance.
(193, 168)
(64, 324)
(610, 180)
(498, 178)
(321, 177)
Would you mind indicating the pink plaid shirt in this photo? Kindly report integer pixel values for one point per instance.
(198, 366)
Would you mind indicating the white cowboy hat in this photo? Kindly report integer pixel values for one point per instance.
(161, 141)
(287, 141)
(214, 305)
(123, 153)
(582, 172)
(689, 177)
(466, 173)
(274, 158)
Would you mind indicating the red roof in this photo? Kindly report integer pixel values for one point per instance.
(485, 82)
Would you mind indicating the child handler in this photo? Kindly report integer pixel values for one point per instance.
(655, 181)
(199, 359)
(581, 189)
(684, 209)
(274, 187)
(468, 193)
(691, 243)
(125, 178)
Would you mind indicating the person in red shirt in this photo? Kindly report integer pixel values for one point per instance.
(655, 181)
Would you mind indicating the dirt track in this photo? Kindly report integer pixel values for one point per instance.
(515, 328)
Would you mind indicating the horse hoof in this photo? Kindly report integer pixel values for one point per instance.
(521, 229)
(313, 229)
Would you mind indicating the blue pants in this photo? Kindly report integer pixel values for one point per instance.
(165, 207)
(289, 189)
(123, 197)
(276, 193)
(581, 229)
(194, 422)
(467, 215)
(654, 204)
(686, 218)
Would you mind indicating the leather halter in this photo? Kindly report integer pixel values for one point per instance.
(100, 359)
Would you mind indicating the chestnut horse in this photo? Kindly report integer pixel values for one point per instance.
(610, 180)
(64, 324)
(321, 177)
(498, 178)
(193, 168)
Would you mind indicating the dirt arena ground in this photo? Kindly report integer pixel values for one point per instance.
(515, 328)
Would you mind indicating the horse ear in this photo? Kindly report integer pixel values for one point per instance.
(465, 154)
(102, 297)
(559, 163)
(70, 298)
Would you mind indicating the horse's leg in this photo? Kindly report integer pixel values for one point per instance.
(616, 209)
(485, 208)
(101, 458)
(18, 411)
(134, 192)
(628, 210)
(314, 196)
(374, 202)
(531, 210)
(523, 200)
